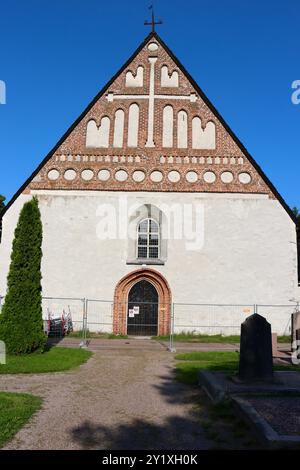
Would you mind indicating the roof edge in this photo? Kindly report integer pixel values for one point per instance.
(229, 130)
(75, 123)
(203, 96)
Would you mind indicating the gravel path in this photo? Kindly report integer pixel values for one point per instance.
(120, 399)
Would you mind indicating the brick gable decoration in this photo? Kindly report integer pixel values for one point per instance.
(150, 129)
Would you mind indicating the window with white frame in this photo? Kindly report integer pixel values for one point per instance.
(148, 239)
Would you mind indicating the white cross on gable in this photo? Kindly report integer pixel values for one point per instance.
(151, 97)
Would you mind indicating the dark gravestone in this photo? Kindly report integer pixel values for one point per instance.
(295, 326)
(256, 363)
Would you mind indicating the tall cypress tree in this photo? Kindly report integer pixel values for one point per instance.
(21, 324)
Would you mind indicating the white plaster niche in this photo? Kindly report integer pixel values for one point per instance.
(191, 176)
(227, 177)
(87, 174)
(174, 176)
(119, 129)
(209, 177)
(98, 136)
(156, 176)
(70, 174)
(152, 47)
(245, 178)
(53, 174)
(169, 79)
(104, 175)
(133, 125)
(121, 175)
(138, 176)
(135, 79)
(182, 129)
(168, 119)
(203, 138)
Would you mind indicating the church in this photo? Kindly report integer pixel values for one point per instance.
(150, 200)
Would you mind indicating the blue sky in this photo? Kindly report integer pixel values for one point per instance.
(56, 55)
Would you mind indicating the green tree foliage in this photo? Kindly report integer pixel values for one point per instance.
(21, 324)
(2, 205)
(297, 213)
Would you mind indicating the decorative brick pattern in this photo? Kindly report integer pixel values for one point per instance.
(73, 153)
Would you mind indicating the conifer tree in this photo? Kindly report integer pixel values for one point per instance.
(21, 324)
(2, 205)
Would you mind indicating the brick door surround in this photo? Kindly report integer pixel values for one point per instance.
(121, 298)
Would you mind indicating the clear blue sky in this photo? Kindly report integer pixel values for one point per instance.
(56, 55)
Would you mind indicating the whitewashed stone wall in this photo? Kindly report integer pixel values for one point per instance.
(248, 256)
(9, 223)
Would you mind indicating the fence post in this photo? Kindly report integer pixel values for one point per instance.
(171, 347)
(83, 343)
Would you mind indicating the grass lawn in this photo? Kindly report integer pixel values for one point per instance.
(198, 338)
(90, 334)
(191, 363)
(15, 411)
(55, 359)
(195, 338)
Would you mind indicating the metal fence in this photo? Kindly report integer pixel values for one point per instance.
(210, 319)
(225, 319)
(63, 315)
(99, 316)
(221, 319)
(85, 316)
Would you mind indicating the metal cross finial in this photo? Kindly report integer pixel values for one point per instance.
(153, 22)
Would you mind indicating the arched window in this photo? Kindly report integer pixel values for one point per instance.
(148, 239)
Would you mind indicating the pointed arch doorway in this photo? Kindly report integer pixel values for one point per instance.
(142, 304)
(142, 316)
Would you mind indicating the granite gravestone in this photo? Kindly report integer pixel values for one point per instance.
(256, 363)
(295, 326)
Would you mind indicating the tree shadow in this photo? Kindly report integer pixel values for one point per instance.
(175, 392)
(174, 433)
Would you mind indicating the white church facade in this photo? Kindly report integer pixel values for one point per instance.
(150, 200)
